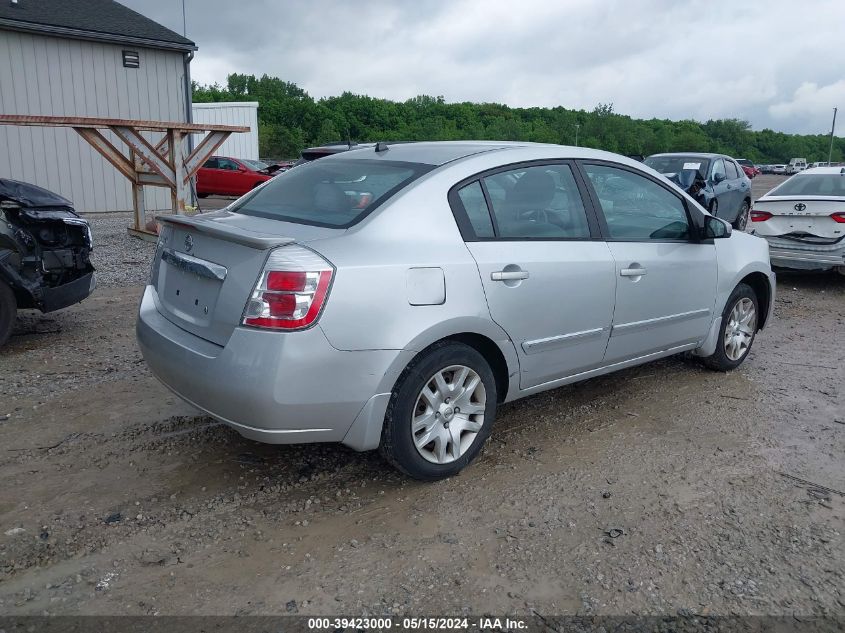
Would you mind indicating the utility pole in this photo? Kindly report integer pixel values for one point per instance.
(577, 125)
(184, 21)
(832, 127)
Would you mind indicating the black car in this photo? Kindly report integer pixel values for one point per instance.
(45, 250)
(720, 185)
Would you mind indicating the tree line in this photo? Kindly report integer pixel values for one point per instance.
(291, 120)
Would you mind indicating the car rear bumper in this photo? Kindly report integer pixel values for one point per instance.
(279, 388)
(805, 256)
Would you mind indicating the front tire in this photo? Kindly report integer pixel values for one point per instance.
(440, 413)
(8, 312)
(737, 332)
(741, 221)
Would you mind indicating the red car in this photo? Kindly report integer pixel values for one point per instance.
(748, 167)
(226, 176)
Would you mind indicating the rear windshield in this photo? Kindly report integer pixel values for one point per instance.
(812, 185)
(675, 164)
(330, 193)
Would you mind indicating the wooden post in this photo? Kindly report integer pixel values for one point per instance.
(138, 202)
(177, 160)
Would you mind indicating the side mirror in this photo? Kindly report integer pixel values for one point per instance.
(715, 228)
(717, 178)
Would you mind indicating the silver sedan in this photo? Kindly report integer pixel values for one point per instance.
(390, 297)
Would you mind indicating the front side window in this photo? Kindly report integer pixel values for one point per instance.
(636, 208)
(212, 163)
(719, 170)
(335, 193)
(225, 163)
(733, 174)
(537, 202)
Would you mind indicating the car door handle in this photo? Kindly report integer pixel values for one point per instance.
(632, 272)
(508, 275)
(729, 187)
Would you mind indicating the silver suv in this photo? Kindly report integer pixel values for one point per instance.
(391, 297)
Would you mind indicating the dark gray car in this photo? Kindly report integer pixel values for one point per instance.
(725, 190)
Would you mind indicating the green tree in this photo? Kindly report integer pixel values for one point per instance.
(290, 120)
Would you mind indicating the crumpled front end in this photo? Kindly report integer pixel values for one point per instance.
(45, 248)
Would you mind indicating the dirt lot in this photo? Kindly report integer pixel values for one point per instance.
(656, 490)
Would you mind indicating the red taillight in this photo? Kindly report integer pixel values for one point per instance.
(760, 216)
(839, 217)
(289, 299)
(286, 280)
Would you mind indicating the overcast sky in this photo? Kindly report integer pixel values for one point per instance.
(778, 64)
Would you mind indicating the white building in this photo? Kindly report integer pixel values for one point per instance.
(93, 58)
(244, 113)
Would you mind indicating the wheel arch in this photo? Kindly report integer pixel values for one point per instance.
(492, 354)
(485, 337)
(759, 283)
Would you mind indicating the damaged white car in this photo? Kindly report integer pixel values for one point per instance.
(803, 220)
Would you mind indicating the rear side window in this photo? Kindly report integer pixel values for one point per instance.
(636, 208)
(212, 163)
(475, 206)
(537, 202)
(330, 193)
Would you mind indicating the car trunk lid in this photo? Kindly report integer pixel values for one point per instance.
(808, 218)
(206, 267)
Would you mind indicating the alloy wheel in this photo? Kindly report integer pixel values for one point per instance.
(448, 414)
(740, 329)
(742, 218)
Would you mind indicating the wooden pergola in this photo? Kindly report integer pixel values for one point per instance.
(165, 163)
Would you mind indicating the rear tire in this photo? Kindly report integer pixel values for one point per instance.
(738, 330)
(8, 312)
(741, 222)
(425, 434)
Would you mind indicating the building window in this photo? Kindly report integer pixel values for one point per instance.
(131, 59)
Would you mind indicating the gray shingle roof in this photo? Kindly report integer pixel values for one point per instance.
(89, 19)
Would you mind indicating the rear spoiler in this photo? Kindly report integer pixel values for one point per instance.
(214, 228)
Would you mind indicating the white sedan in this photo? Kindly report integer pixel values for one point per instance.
(803, 220)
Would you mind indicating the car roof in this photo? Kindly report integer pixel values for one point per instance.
(695, 154)
(823, 170)
(438, 153)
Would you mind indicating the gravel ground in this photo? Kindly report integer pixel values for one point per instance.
(120, 260)
(661, 489)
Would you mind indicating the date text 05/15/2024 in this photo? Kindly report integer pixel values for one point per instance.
(422, 624)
